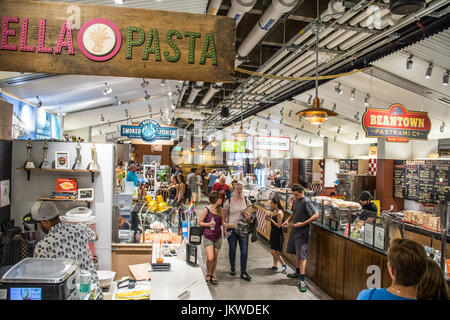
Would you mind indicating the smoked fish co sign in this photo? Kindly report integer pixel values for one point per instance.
(396, 124)
(71, 38)
(149, 130)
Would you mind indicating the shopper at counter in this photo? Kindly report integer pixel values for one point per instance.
(63, 240)
(182, 190)
(432, 285)
(407, 263)
(132, 175)
(195, 184)
(278, 180)
(276, 234)
(237, 230)
(211, 221)
(173, 190)
(304, 213)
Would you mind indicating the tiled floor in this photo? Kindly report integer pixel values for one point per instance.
(265, 285)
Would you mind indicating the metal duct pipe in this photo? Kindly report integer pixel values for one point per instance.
(213, 7)
(194, 91)
(239, 8)
(270, 16)
(213, 89)
(334, 6)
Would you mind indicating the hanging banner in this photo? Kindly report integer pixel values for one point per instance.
(396, 124)
(149, 130)
(272, 143)
(72, 38)
(233, 146)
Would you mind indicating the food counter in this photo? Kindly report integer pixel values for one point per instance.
(343, 263)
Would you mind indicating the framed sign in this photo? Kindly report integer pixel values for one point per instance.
(69, 38)
(379, 238)
(272, 143)
(149, 130)
(396, 124)
(368, 234)
(62, 160)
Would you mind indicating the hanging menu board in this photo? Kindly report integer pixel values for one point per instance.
(344, 166)
(399, 179)
(441, 179)
(305, 170)
(411, 180)
(426, 183)
(354, 165)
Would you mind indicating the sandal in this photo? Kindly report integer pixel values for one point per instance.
(214, 280)
(208, 279)
(246, 276)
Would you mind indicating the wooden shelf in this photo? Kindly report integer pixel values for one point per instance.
(76, 200)
(59, 171)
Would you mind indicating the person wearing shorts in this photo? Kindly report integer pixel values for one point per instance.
(195, 184)
(211, 221)
(304, 213)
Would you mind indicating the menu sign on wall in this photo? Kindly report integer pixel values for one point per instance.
(399, 179)
(425, 181)
(396, 124)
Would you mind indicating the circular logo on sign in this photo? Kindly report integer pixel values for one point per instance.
(99, 39)
(149, 132)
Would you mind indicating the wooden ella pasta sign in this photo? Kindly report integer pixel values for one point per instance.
(396, 124)
(67, 38)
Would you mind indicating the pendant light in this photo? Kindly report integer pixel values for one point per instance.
(241, 135)
(316, 115)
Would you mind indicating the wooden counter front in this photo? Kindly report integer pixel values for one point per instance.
(125, 254)
(339, 266)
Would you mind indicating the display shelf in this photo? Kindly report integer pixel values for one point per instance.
(88, 202)
(420, 230)
(52, 171)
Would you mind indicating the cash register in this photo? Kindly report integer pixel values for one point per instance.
(40, 279)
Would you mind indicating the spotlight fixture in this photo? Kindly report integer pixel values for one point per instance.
(39, 104)
(310, 99)
(281, 111)
(281, 131)
(290, 112)
(310, 139)
(338, 88)
(150, 110)
(352, 95)
(163, 82)
(356, 116)
(107, 90)
(366, 100)
(265, 127)
(172, 106)
(281, 121)
(445, 78)
(214, 143)
(357, 136)
(409, 62)
(126, 114)
(117, 102)
(144, 83)
(335, 138)
(100, 131)
(296, 137)
(334, 107)
(61, 113)
(268, 117)
(318, 133)
(429, 71)
(338, 130)
(102, 118)
(109, 123)
(441, 129)
(301, 129)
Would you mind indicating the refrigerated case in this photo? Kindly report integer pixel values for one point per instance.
(351, 185)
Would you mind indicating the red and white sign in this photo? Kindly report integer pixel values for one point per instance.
(272, 143)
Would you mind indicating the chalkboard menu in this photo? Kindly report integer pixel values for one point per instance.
(411, 180)
(441, 179)
(347, 165)
(399, 178)
(426, 183)
(423, 181)
(305, 170)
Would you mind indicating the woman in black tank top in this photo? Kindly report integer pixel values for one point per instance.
(276, 235)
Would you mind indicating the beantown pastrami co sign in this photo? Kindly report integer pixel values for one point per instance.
(396, 124)
(68, 38)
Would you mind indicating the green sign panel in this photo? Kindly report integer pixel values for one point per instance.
(233, 146)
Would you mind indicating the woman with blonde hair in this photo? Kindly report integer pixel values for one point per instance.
(211, 221)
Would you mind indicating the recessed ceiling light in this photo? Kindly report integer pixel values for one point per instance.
(338, 89)
(409, 62)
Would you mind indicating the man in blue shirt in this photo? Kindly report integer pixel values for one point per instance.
(132, 175)
(211, 179)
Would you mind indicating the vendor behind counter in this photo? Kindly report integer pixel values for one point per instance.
(370, 210)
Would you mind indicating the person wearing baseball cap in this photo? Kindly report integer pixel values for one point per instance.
(63, 240)
(369, 208)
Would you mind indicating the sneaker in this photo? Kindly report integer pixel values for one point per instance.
(302, 286)
(232, 272)
(273, 269)
(246, 276)
(293, 275)
(284, 269)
